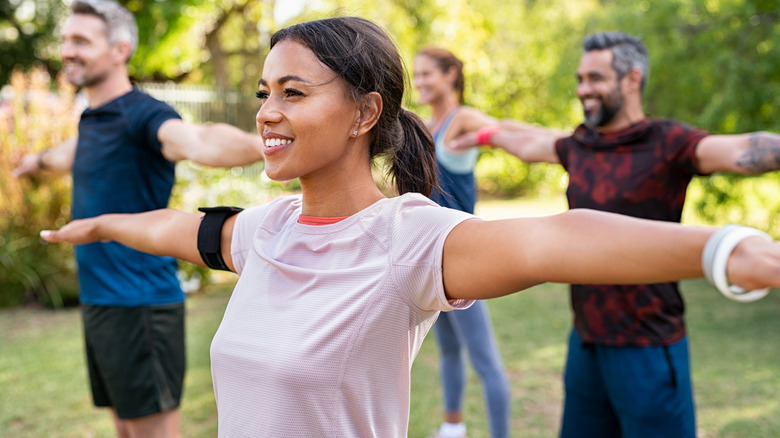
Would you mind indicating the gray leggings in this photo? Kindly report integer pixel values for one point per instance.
(471, 328)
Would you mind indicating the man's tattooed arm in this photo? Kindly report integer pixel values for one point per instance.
(763, 154)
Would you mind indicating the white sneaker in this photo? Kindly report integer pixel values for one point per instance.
(450, 430)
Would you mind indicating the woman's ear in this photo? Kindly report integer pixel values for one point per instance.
(452, 75)
(368, 113)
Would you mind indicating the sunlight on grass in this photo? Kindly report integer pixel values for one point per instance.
(734, 355)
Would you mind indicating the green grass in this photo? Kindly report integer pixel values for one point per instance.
(734, 351)
(44, 391)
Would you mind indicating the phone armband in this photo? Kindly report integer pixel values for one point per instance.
(210, 235)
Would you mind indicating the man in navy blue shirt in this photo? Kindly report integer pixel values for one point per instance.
(123, 162)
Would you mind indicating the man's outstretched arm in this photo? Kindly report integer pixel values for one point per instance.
(216, 145)
(59, 158)
(748, 154)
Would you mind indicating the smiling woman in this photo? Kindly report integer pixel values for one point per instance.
(301, 106)
(339, 285)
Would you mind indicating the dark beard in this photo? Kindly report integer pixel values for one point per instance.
(609, 108)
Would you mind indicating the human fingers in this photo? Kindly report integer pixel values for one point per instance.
(464, 141)
(751, 269)
(52, 236)
(27, 165)
(78, 232)
(755, 263)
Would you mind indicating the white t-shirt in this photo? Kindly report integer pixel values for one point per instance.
(320, 333)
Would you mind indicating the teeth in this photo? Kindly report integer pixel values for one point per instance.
(271, 142)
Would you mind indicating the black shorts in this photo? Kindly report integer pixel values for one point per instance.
(135, 357)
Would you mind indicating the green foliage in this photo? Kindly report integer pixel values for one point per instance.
(221, 42)
(34, 119)
(714, 64)
(27, 35)
(723, 199)
(501, 175)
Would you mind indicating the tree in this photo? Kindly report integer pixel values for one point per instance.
(27, 35)
(715, 65)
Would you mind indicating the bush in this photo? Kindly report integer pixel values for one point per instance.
(35, 115)
(729, 198)
(502, 175)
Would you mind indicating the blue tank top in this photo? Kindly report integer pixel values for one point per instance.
(455, 172)
(119, 168)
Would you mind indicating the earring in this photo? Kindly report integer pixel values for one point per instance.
(354, 132)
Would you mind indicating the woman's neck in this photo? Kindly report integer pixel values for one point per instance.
(440, 109)
(340, 195)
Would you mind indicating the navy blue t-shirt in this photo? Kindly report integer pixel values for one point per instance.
(119, 168)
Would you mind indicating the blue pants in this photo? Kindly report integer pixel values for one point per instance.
(627, 392)
(472, 328)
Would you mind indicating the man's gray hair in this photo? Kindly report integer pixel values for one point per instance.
(120, 23)
(627, 52)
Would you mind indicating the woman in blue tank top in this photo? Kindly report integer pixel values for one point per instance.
(439, 81)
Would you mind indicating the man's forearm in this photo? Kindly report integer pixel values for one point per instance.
(761, 155)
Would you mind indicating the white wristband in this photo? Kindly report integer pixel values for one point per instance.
(716, 255)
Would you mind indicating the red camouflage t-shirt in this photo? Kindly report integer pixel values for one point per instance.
(641, 171)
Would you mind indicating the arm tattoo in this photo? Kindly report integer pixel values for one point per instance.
(763, 154)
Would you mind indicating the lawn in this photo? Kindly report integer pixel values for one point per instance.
(735, 350)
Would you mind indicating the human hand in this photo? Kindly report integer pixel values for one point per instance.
(28, 164)
(755, 264)
(464, 141)
(77, 232)
(742, 262)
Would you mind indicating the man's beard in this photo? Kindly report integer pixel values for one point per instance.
(606, 112)
(85, 79)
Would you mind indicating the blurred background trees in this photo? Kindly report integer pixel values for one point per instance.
(714, 64)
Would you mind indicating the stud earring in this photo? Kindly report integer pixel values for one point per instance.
(354, 132)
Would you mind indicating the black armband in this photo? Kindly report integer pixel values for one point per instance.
(210, 235)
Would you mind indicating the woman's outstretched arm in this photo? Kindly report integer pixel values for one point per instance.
(486, 259)
(165, 232)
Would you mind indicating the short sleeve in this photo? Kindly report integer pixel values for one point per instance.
(418, 242)
(562, 151)
(247, 221)
(681, 140)
(275, 213)
(161, 113)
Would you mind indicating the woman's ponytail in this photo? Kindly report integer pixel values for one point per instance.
(413, 160)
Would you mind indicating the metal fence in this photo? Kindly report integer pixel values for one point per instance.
(201, 104)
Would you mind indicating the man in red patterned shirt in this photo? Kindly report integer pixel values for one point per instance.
(627, 371)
